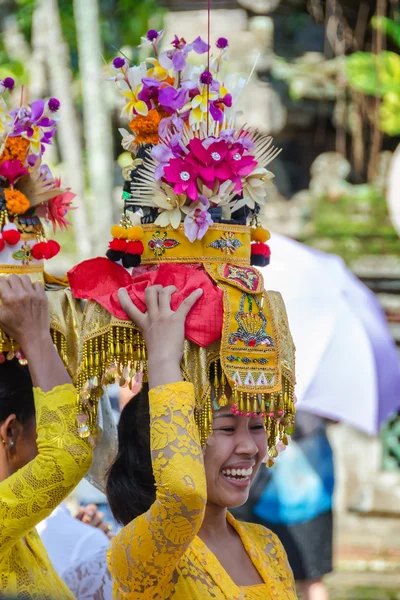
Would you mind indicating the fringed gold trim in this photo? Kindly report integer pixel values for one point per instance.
(118, 354)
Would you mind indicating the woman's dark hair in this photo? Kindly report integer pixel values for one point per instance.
(130, 485)
(16, 394)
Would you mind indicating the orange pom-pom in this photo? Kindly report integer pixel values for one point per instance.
(135, 233)
(17, 203)
(259, 234)
(119, 232)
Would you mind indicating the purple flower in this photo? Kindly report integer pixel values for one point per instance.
(176, 58)
(199, 46)
(54, 104)
(171, 99)
(196, 224)
(222, 43)
(162, 154)
(8, 83)
(118, 62)
(152, 35)
(177, 43)
(206, 78)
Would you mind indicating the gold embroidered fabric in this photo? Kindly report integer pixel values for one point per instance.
(159, 556)
(32, 493)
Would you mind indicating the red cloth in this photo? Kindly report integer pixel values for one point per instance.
(100, 279)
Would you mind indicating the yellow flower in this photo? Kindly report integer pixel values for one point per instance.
(157, 72)
(131, 89)
(199, 105)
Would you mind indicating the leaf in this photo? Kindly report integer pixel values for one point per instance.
(374, 75)
(390, 114)
(388, 27)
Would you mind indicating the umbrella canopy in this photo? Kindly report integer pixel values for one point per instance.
(347, 363)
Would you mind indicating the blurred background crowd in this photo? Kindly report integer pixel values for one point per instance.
(326, 85)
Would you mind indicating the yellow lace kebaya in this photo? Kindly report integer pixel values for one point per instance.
(31, 494)
(159, 555)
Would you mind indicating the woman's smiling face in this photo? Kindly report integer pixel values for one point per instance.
(233, 456)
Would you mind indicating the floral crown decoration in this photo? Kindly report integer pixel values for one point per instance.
(192, 197)
(29, 194)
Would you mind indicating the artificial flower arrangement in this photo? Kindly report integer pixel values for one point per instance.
(190, 164)
(28, 190)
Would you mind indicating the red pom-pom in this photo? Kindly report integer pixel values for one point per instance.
(2, 243)
(135, 248)
(259, 248)
(45, 250)
(38, 250)
(53, 248)
(118, 245)
(11, 236)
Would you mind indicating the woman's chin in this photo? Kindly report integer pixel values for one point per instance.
(235, 495)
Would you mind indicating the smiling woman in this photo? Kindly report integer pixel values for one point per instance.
(173, 495)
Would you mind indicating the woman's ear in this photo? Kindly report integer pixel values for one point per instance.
(9, 430)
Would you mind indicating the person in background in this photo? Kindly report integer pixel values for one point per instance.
(69, 539)
(42, 457)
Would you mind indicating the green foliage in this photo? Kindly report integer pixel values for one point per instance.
(374, 74)
(387, 26)
(356, 224)
(390, 114)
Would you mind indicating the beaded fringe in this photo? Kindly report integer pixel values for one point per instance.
(119, 355)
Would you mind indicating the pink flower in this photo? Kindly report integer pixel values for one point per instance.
(56, 209)
(12, 170)
(182, 176)
(240, 164)
(196, 223)
(210, 160)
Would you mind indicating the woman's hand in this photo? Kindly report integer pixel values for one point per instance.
(163, 330)
(24, 316)
(24, 311)
(95, 518)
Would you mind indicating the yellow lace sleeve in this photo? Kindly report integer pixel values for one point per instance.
(32, 493)
(144, 555)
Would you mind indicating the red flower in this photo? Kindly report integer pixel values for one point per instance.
(56, 209)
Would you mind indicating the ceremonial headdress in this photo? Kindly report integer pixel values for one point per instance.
(29, 197)
(192, 196)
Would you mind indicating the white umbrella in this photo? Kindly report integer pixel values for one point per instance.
(346, 361)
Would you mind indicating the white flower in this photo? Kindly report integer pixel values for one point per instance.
(170, 203)
(128, 141)
(255, 187)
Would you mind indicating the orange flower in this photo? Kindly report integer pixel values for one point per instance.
(16, 148)
(17, 203)
(146, 128)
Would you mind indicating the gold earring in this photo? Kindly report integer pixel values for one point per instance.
(3, 441)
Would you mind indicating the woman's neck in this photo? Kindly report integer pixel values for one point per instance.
(214, 523)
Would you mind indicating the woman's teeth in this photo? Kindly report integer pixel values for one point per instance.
(238, 473)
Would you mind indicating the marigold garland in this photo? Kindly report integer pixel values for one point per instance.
(146, 128)
(17, 203)
(16, 148)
